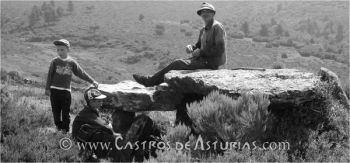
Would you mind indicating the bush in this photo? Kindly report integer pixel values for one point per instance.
(286, 42)
(160, 29)
(245, 28)
(275, 44)
(130, 59)
(264, 31)
(188, 34)
(141, 17)
(284, 55)
(330, 56)
(183, 30)
(86, 44)
(184, 21)
(268, 45)
(277, 65)
(221, 117)
(305, 53)
(237, 35)
(262, 39)
(27, 128)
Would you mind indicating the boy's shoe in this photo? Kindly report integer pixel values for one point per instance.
(144, 80)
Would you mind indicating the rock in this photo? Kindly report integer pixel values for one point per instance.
(131, 96)
(337, 91)
(284, 86)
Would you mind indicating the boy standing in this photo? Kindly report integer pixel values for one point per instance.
(58, 84)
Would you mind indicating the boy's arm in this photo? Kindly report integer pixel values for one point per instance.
(49, 75)
(79, 72)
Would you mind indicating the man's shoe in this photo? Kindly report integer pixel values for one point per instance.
(144, 80)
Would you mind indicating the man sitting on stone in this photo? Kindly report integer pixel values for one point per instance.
(207, 53)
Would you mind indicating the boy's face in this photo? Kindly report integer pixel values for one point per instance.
(62, 51)
(96, 103)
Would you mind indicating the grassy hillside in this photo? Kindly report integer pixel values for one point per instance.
(122, 44)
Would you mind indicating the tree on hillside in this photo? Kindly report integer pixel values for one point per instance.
(59, 12)
(70, 8)
(312, 27)
(279, 7)
(339, 37)
(286, 33)
(264, 31)
(43, 6)
(94, 28)
(49, 15)
(34, 16)
(273, 21)
(141, 17)
(279, 30)
(245, 28)
(52, 3)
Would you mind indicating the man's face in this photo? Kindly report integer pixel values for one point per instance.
(96, 103)
(62, 51)
(207, 15)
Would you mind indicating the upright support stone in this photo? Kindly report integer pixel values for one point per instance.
(134, 97)
(338, 93)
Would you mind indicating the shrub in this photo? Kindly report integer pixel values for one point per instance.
(130, 59)
(275, 44)
(286, 42)
(277, 65)
(262, 39)
(183, 30)
(171, 156)
(264, 31)
(279, 30)
(221, 117)
(237, 35)
(268, 45)
(34, 16)
(160, 29)
(86, 44)
(184, 21)
(330, 56)
(149, 55)
(27, 128)
(284, 55)
(179, 133)
(188, 34)
(70, 7)
(245, 28)
(141, 17)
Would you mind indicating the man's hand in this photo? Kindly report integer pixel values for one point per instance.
(95, 84)
(196, 53)
(189, 49)
(47, 92)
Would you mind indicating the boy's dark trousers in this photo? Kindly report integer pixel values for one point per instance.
(60, 103)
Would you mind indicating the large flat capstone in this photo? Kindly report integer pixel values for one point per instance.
(283, 86)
